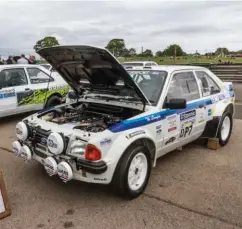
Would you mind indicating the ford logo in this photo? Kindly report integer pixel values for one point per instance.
(43, 140)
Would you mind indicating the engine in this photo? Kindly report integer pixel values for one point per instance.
(89, 117)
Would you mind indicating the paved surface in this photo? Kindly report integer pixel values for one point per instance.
(195, 188)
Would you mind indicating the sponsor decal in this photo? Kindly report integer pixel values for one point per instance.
(105, 141)
(172, 139)
(100, 179)
(201, 121)
(43, 140)
(159, 131)
(187, 115)
(158, 127)
(52, 144)
(38, 96)
(153, 118)
(4, 94)
(171, 123)
(172, 129)
(210, 112)
(131, 135)
(18, 131)
(63, 174)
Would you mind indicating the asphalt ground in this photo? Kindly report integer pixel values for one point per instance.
(193, 188)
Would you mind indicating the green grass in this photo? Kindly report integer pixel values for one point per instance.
(181, 60)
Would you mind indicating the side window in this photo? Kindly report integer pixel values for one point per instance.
(13, 77)
(147, 64)
(208, 86)
(37, 76)
(183, 85)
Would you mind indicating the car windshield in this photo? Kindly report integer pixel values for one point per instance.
(133, 64)
(150, 82)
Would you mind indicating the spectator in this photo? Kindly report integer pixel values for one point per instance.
(9, 60)
(32, 60)
(1, 63)
(22, 60)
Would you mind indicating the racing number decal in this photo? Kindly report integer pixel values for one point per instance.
(186, 131)
(187, 121)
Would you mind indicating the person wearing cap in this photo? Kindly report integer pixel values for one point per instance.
(22, 60)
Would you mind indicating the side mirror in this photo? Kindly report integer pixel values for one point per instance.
(176, 104)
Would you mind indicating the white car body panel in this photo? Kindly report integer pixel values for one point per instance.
(165, 128)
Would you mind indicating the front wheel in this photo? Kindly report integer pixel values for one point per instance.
(225, 129)
(54, 100)
(133, 172)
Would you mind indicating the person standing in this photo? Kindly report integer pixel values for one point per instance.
(1, 62)
(22, 60)
(32, 60)
(9, 60)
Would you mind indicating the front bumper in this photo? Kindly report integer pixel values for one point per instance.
(91, 167)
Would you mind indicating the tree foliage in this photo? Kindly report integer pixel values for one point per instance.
(170, 50)
(159, 54)
(46, 42)
(117, 47)
(222, 51)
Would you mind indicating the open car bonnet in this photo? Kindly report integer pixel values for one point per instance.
(91, 67)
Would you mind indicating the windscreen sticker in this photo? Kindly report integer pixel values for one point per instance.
(4, 94)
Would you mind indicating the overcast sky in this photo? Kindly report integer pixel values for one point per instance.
(152, 24)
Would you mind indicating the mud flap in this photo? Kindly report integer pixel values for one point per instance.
(211, 128)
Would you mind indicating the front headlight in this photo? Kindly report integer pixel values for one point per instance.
(22, 131)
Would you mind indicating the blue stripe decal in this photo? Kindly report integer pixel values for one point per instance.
(134, 123)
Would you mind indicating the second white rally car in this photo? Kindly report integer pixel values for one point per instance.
(122, 122)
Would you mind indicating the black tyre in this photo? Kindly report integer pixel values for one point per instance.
(225, 128)
(54, 100)
(133, 172)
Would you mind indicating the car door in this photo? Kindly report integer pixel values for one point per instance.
(209, 90)
(14, 87)
(180, 126)
(40, 81)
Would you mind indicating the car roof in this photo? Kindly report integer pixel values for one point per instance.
(168, 68)
(20, 65)
(16, 65)
(139, 62)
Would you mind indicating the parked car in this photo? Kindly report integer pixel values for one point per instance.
(118, 128)
(138, 64)
(25, 88)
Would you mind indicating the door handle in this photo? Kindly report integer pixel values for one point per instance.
(27, 89)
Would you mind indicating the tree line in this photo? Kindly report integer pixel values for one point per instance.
(118, 48)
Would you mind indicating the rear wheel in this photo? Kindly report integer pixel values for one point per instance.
(133, 172)
(52, 101)
(225, 128)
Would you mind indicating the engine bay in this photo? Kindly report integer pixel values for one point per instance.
(89, 117)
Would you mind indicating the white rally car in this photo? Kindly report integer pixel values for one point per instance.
(116, 130)
(25, 88)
